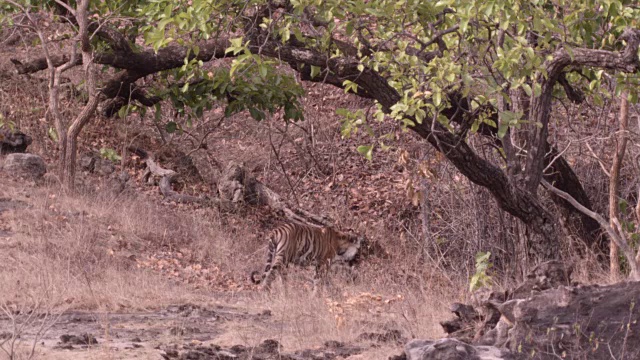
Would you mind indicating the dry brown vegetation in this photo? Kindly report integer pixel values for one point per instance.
(103, 254)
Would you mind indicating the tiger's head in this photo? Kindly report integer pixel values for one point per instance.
(349, 244)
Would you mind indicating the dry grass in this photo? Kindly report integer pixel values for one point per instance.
(72, 248)
(343, 312)
(81, 251)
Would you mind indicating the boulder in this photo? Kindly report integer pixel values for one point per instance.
(452, 349)
(93, 163)
(29, 166)
(575, 322)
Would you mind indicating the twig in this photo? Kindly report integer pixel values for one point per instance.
(204, 137)
(616, 237)
(558, 156)
(593, 153)
(284, 170)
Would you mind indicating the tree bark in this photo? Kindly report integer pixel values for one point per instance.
(564, 178)
(560, 173)
(614, 183)
(69, 164)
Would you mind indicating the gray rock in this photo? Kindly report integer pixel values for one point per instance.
(452, 349)
(25, 165)
(118, 182)
(105, 167)
(87, 162)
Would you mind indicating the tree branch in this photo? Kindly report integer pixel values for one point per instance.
(613, 234)
(627, 61)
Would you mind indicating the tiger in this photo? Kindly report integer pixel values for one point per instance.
(304, 245)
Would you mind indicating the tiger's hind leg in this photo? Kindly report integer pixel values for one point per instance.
(268, 277)
(265, 278)
(275, 268)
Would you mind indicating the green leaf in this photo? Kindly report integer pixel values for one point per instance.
(437, 98)
(623, 205)
(158, 113)
(502, 130)
(110, 154)
(122, 113)
(171, 127)
(256, 114)
(315, 70)
(366, 151)
(350, 86)
(53, 134)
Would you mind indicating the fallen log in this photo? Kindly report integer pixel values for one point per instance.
(237, 187)
(156, 174)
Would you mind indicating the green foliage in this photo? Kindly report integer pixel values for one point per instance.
(171, 127)
(52, 134)
(6, 123)
(425, 50)
(251, 83)
(366, 151)
(481, 278)
(391, 37)
(110, 154)
(352, 120)
(130, 109)
(187, 21)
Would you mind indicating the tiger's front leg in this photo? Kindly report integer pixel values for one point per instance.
(321, 276)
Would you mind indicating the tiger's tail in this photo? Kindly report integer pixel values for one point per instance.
(268, 267)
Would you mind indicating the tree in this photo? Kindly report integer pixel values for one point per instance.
(450, 71)
(67, 134)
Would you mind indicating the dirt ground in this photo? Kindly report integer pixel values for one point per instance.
(185, 332)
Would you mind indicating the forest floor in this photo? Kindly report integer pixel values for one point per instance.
(93, 276)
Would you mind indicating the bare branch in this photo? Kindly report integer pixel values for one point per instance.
(67, 7)
(600, 162)
(626, 61)
(613, 234)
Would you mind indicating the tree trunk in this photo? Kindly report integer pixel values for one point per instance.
(614, 185)
(69, 169)
(69, 165)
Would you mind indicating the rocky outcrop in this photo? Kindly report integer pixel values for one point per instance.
(28, 166)
(452, 349)
(547, 317)
(93, 163)
(236, 187)
(267, 350)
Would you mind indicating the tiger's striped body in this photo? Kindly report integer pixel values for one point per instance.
(304, 245)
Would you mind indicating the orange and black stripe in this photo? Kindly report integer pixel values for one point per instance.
(305, 245)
